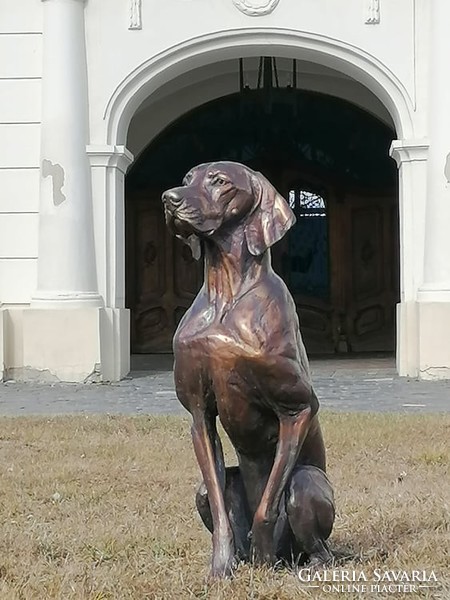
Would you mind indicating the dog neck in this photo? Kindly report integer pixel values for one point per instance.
(230, 269)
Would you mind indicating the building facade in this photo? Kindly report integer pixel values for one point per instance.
(104, 103)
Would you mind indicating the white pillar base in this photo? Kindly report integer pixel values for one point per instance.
(81, 345)
(115, 343)
(407, 356)
(423, 340)
(434, 340)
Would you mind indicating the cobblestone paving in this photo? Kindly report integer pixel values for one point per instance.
(367, 385)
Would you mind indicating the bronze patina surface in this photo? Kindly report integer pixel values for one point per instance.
(239, 356)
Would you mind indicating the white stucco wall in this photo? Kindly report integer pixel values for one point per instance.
(20, 115)
(172, 23)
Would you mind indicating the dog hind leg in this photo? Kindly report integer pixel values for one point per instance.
(310, 510)
(237, 509)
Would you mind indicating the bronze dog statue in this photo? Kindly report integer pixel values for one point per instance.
(239, 355)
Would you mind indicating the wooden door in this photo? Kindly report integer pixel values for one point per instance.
(162, 276)
(371, 281)
(340, 262)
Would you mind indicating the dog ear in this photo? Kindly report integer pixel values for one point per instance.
(270, 218)
(194, 244)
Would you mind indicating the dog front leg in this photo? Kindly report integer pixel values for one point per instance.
(292, 432)
(210, 460)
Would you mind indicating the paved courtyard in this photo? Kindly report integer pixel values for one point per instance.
(342, 384)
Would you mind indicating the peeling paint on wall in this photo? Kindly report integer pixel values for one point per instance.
(56, 172)
(30, 375)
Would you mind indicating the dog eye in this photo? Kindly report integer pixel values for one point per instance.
(220, 181)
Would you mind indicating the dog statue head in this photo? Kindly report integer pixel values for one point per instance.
(217, 197)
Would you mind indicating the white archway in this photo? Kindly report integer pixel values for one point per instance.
(204, 84)
(349, 60)
(340, 56)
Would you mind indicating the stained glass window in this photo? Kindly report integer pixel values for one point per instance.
(309, 203)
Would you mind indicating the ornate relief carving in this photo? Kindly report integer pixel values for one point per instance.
(256, 8)
(373, 12)
(135, 14)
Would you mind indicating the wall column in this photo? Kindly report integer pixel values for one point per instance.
(109, 165)
(67, 334)
(411, 159)
(436, 283)
(66, 264)
(434, 293)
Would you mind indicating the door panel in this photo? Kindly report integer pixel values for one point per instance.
(355, 312)
(166, 277)
(373, 290)
(367, 251)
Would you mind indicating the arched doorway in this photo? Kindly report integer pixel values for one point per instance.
(330, 160)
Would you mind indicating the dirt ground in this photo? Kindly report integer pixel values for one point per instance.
(102, 507)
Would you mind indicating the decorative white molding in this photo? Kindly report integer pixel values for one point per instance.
(135, 14)
(373, 12)
(118, 157)
(403, 151)
(256, 8)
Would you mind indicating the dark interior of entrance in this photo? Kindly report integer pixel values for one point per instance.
(330, 161)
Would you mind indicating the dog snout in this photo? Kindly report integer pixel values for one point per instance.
(172, 198)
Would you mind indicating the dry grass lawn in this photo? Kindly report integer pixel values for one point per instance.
(103, 508)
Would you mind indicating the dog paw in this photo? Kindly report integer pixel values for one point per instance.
(321, 560)
(223, 560)
(262, 549)
(222, 569)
